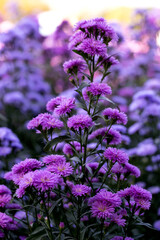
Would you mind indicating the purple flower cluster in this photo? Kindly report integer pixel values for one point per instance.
(118, 117)
(116, 155)
(5, 195)
(60, 105)
(22, 83)
(97, 89)
(139, 196)
(80, 121)
(9, 142)
(45, 121)
(103, 204)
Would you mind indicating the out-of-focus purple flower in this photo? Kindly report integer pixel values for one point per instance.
(80, 121)
(154, 189)
(118, 117)
(5, 220)
(79, 190)
(116, 155)
(157, 225)
(96, 89)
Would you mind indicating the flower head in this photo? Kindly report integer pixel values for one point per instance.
(116, 155)
(80, 121)
(118, 117)
(64, 169)
(49, 159)
(4, 220)
(44, 180)
(27, 165)
(80, 190)
(61, 105)
(92, 47)
(74, 66)
(96, 88)
(45, 121)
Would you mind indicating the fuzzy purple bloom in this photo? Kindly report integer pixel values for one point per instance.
(4, 190)
(61, 105)
(44, 180)
(103, 204)
(74, 66)
(118, 117)
(5, 220)
(45, 121)
(49, 159)
(24, 183)
(96, 88)
(79, 121)
(27, 165)
(92, 47)
(64, 169)
(116, 155)
(80, 190)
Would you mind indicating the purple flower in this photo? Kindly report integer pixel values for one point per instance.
(92, 47)
(96, 88)
(79, 121)
(157, 225)
(100, 209)
(117, 218)
(49, 159)
(103, 204)
(76, 39)
(27, 165)
(24, 183)
(116, 155)
(64, 169)
(4, 190)
(140, 196)
(61, 105)
(80, 190)
(44, 180)
(118, 117)
(97, 27)
(46, 121)
(4, 220)
(74, 66)
(131, 169)
(4, 199)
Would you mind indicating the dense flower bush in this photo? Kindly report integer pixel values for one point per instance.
(81, 187)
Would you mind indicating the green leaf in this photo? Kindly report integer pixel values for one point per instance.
(37, 234)
(84, 231)
(56, 141)
(54, 205)
(109, 100)
(84, 55)
(81, 86)
(3, 118)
